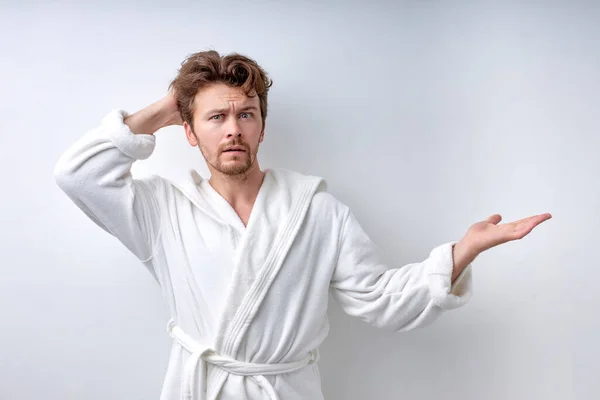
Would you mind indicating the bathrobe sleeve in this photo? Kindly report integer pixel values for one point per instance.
(396, 298)
(95, 173)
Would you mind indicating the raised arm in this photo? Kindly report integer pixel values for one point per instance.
(95, 173)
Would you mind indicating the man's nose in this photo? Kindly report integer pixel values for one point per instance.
(233, 130)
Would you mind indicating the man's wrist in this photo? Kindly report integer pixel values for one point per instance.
(463, 253)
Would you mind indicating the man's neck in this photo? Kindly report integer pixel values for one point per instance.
(240, 191)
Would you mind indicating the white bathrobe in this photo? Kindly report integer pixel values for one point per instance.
(248, 303)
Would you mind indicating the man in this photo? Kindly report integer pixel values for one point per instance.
(247, 258)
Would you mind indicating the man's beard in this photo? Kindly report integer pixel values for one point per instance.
(235, 169)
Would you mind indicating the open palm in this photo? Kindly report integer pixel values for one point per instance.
(489, 233)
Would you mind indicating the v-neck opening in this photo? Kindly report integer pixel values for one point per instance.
(230, 215)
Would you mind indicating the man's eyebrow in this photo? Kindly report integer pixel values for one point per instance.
(216, 111)
(224, 110)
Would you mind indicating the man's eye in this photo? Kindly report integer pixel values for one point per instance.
(215, 117)
(245, 115)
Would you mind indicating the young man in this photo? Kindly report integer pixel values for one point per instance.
(246, 259)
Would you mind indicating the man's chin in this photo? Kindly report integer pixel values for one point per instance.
(234, 169)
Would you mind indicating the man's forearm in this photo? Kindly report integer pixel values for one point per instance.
(152, 118)
(462, 254)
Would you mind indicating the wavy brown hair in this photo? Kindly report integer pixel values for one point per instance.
(204, 68)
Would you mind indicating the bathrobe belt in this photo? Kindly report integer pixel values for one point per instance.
(204, 354)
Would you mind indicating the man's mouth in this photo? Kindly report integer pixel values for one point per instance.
(235, 149)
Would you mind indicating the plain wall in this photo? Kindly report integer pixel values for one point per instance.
(424, 117)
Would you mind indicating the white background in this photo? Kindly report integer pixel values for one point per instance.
(424, 117)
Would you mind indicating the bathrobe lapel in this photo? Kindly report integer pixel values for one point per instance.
(276, 217)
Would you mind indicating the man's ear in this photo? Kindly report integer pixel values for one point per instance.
(189, 134)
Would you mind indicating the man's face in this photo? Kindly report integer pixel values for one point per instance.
(228, 128)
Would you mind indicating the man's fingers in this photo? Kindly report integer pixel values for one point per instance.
(538, 219)
(524, 226)
(533, 220)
